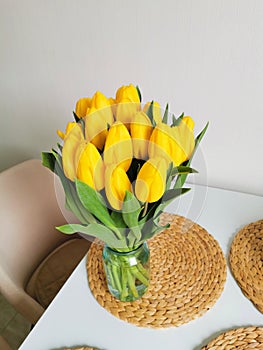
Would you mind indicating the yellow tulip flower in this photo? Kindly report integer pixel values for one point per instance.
(98, 118)
(175, 144)
(89, 165)
(128, 103)
(151, 180)
(82, 106)
(116, 185)
(61, 134)
(184, 136)
(140, 129)
(71, 143)
(157, 115)
(118, 146)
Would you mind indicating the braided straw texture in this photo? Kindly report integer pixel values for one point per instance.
(240, 338)
(246, 259)
(82, 348)
(188, 272)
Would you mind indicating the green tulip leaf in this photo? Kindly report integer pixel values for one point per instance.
(76, 117)
(48, 160)
(149, 113)
(53, 162)
(174, 121)
(131, 239)
(94, 203)
(183, 170)
(150, 229)
(72, 201)
(177, 121)
(182, 177)
(60, 147)
(139, 93)
(130, 212)
(168, 197)
(166, 112)
(181, 116)
(200, 136)
(173, 193)
(95, 230)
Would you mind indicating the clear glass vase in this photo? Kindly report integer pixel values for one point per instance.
(127, 273)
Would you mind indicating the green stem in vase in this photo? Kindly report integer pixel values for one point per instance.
(127, 272)
(143, 271)
(111, 278)
(124, 280)
(116, 277)
(137, 274)
(131, 283)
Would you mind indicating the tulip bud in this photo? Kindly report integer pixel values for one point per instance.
(98, 119)
(118, 146)
(71, 143)
(61, 134)
(140, 129)
(128, 103)
(157, 115)
(184, 136)
(175, 144)
(189, 122)
(89, 165)
(82, 106)
(116, 185)
(151, 180)
(162, 143)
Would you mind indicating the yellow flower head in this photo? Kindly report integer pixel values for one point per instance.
(98, 119)
(82, 106)
(140, 129)
(128, 103)
(118, 146)
(151, 180)
(71, 143)
(175, 143)
(89, 165)
(116, 185)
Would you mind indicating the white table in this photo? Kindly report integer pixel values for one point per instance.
(75, 317)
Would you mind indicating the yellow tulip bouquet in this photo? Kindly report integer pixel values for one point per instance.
(120, 165)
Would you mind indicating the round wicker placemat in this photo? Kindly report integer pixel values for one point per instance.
(240, 338)
(188, 272)
(81, 348)
(246, 261)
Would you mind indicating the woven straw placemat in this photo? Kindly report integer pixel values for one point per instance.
(240, 338)
(246, 261)
(82, 348)
(188, 272)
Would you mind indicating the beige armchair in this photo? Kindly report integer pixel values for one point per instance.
(35, 259)
(3, 344)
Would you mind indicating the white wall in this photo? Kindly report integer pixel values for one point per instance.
(205, 57)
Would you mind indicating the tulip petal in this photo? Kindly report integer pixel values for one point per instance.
(151, 180)
(174, 143)
(89, 165)
(116, 185)
(118, 146)
(82, 106)
(127, 103)
(140, 129)
(98, 119)
(71, 143)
